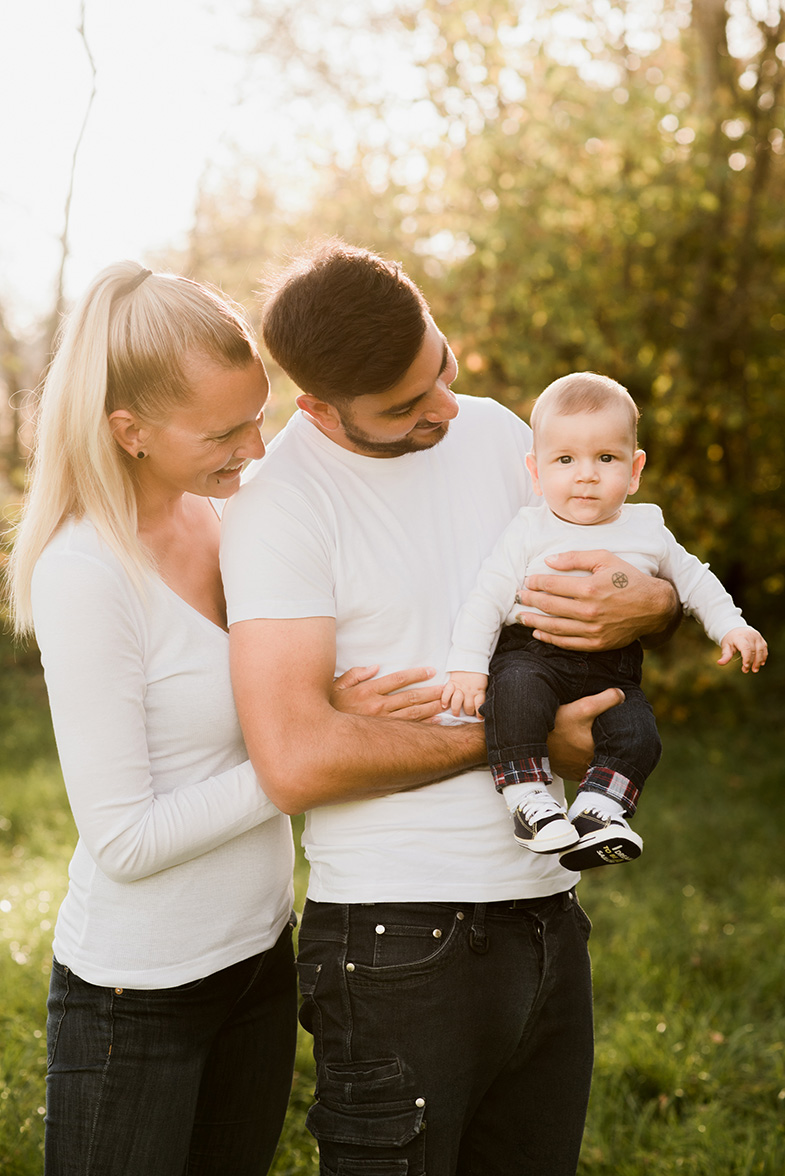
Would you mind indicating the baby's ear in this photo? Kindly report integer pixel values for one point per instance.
(638, 462)
(531, 466)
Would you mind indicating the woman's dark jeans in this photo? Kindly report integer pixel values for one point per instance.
(164, 1082)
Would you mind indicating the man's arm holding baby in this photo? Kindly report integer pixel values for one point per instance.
(308, 753)
(614, 605)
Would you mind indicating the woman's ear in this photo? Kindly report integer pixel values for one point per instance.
(128, 431)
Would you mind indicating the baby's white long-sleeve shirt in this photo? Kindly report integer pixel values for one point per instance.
(638, 535)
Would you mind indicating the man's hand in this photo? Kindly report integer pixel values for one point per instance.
(464, 689)
(570, 743)
(359, 692)
(609, 608)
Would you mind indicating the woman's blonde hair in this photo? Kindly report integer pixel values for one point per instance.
(123, 346)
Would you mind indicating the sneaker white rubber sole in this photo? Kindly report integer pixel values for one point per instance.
(546, 836)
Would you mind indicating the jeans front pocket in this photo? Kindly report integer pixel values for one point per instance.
(402, 941)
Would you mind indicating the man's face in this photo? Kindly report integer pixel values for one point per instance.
(414, 414)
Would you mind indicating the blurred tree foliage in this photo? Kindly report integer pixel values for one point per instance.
(605, 192)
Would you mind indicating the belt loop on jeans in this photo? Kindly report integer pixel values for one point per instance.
(478, 936)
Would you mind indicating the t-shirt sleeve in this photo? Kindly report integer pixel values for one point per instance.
(92, 644)
(276, 555)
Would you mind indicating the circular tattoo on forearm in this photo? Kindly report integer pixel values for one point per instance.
(619, 580)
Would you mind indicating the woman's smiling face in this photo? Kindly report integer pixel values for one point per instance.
(204, 444)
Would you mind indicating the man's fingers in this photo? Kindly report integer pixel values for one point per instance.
(569, 561)
(407, 698)
(567, 638)
(419, 713)
(596, 704)
(354, 677)
(399, 679)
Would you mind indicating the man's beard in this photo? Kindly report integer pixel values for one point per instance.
(408, 444)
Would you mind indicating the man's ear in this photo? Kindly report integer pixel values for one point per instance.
(128, 431)
(531, 466)
(320, 412)
(638, 462)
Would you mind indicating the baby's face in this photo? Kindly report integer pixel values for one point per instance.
(585, 465)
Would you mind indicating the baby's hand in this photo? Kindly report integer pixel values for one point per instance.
(751, 646)
(466, 690)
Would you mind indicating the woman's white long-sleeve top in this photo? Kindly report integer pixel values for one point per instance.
(183, 866)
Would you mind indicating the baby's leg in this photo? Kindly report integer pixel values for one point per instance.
(524, 692)
(627, 749)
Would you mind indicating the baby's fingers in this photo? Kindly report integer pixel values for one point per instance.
(759, 655)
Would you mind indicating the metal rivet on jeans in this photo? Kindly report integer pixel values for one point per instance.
(437, 934)
(419, 1102)
(460, 916)
(119, 991)
(380, 929)
(350, 967)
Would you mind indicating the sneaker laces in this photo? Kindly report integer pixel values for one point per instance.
(606, 818)
(540, 804)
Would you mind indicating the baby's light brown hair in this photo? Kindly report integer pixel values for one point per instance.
(585, 392)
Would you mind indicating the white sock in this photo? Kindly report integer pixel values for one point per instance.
(596, 800)
(515, 794)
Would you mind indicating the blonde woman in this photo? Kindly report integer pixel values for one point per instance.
(171, 1016)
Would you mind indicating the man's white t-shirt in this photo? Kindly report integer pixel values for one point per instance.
(391, 547)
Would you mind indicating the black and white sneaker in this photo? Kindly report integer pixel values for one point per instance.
(541, 824)
(603, 841)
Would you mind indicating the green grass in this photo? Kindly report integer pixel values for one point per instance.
(688, 953)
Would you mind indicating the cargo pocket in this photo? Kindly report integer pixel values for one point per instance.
(385, 1140)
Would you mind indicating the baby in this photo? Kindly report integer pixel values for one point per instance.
(584, 463)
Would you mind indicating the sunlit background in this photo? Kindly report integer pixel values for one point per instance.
(140, 107)
(588, 185)
(584, 185)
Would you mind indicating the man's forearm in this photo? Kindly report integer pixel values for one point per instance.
(305, 752)
(350, 757)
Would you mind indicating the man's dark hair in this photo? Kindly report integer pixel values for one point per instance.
(343, 322)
